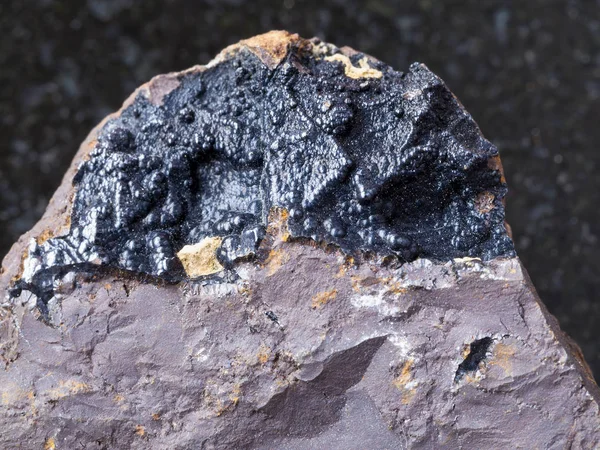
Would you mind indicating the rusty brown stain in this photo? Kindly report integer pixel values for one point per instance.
(33, 407)
(67, 388)
(484, 202)
(276, 259)
(17, 277)
(235, 395)
(403, 380)
(223, 407)
(495, 163)
(244, 290)
(272, 47)
(13, 394)
(394, 286)
(277, 227)
(263, 354)
(66, 213)
(347, 265)
(405, 375)
(44, 236)
(465, 351)
(471, 378)
(140, 430)
(502, 357)
(50, 444)
(356, 283)
(322, 298)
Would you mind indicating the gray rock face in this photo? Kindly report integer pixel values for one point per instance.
(301, 347)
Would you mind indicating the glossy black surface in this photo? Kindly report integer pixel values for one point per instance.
(478, 350)
(389, 164)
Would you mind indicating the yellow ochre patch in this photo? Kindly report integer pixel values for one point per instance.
(67, 388)
(201, 258)
(322, 298)
(405, 382)
(484, 202)
(502, 356)
(364, 70)
(277, 227)
(276, 259)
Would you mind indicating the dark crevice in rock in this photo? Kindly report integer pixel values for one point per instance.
(477, 353)
(392, 165)
(272, 317)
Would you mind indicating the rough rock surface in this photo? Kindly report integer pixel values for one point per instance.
(354, 282)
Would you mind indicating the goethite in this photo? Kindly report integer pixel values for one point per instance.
(294, 247)
(360, 156)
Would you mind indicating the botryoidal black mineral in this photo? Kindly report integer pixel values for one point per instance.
(390, 164)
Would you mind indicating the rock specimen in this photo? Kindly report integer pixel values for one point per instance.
(294, 246)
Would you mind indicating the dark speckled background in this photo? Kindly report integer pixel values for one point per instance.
(528, 71)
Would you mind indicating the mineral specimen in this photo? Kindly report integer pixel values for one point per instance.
(362, 157)
(294, 246)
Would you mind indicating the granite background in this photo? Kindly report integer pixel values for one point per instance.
(529, 73)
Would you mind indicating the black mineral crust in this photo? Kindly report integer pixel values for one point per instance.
(385, 162)
(478, 351)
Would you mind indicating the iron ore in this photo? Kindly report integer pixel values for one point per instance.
(294, 246)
